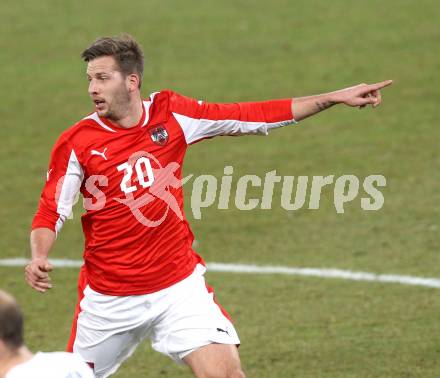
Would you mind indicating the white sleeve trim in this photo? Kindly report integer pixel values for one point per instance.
(70, 188)
(95, 117)
(147, 105)
(196, 129)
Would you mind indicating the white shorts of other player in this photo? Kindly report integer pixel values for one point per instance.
(52, 365)
(178, 320)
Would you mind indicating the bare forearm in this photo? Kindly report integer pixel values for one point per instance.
(303, 107)
(37, 271)
(42, 240)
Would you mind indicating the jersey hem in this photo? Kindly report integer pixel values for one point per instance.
(154, 289)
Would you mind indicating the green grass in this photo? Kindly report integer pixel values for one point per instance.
(250, 50)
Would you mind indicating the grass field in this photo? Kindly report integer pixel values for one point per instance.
(250, 50)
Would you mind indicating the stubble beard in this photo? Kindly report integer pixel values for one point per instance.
(118, 108)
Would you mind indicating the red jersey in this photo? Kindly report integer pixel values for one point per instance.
(137, 240)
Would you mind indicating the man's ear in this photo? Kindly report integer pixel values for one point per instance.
(133, 82)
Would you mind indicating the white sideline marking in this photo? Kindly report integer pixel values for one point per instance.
(258, 269)
(59, 263)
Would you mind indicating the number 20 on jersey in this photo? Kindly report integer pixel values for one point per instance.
(144, 173)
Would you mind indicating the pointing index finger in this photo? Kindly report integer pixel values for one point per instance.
(380, 85)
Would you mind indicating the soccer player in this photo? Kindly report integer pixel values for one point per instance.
(16, 361)
(141, 277)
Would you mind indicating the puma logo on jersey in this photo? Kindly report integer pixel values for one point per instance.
(102, 154)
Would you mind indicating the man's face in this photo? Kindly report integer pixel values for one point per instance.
(108, 88)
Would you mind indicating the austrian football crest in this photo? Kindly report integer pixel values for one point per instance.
(159, 135)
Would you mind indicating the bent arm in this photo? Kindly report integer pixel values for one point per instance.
(63, 182)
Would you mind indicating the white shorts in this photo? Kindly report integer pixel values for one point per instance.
(178, 320)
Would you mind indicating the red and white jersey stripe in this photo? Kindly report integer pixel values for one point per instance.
(137, 240)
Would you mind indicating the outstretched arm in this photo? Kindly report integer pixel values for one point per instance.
(359, 95)
(200, 120)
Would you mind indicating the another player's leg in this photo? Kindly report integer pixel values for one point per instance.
(215, 361)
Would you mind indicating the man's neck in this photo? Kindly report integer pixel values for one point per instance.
(11, 359)
(133, 116)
